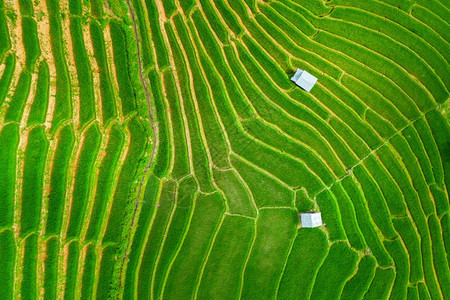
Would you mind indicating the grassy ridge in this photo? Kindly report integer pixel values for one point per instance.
(181, 159)
(220, 278)
(106, 272)
(302, 202)
(7, 261)
(75, 7)
(388, 159)
(413, 293)
(51, 269)
(96, 8)
(357, 286)
(238, 199)
(162, 58)
(331, 215)
(406, 230)
(155, 238)
(30, 41)
(9, 136)
(83, 179)
(366, 224)
(33, 181)
(439, 255)
(187, 5)
(162, 159)
(72, 271)
(215, 139)
(58, 180)
(441, 130)
(175, 231)
(423, 292)
(5, 42)
(19, 98)
(414, 169)
(63, 107)
(105, 181)
(189, 261)
(391, 192)
(228, 16)
(98, 43)
(87, 105)
(275, 194)
(347, 210)
(381, 284)
(336, 268)
(400, 258)
(138, 144)
(88, 281)
(265, 265)
(303, 264)
(274, 138)
(440, 198)
(376, 203)
(38, 112)
(119, 45)
(199, 156)
(137, 247)
(26, 7)
(28, 287)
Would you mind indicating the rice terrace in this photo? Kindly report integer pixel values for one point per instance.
(172, 149)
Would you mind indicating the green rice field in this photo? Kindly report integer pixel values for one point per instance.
(157, 149)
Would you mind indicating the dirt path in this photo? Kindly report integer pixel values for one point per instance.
(154, 140)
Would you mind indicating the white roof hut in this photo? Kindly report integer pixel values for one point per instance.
(304, 80)
(310, 220)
